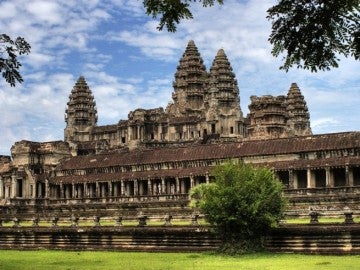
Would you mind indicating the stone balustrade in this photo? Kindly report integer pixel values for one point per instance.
(164, 235)
(117, 221)
(145, 220)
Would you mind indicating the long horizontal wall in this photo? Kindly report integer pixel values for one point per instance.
(315, 239)
(110, 238)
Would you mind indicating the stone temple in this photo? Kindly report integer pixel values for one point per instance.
(151, 160)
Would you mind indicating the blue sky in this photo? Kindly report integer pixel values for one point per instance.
(128, 64)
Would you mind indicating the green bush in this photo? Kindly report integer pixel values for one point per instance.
(242, 204)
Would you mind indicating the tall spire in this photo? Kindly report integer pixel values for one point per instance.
(223, 99)
(81, 113)
(224, 84)
(299, 118)
(190, 82)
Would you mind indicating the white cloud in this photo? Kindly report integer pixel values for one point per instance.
(44, 12)
(8, 10)
(155, 46)
(324, 123)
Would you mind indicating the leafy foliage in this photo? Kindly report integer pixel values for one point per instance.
(242, 204)
(311, 33)
(314, 32)
(9, 51)
(172, 11)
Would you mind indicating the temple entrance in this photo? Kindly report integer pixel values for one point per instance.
(19, 188)
(320, 178)
(284, 178)
(356, 176)
(143, 188)
(339, 177)
(92, 190)
(170, 186)
(129, 188)
(156, 187)
(185, 185)
(301, 179)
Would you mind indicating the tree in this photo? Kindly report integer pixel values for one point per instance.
(172, 11)
(313, 33)
(9, 51)
(242, 204)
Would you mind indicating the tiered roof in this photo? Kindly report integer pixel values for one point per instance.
(224, 84)
(221, 151)
(190, 78)
(81, 108)
(299, 118)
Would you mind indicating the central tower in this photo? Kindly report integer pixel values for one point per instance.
(224, 113)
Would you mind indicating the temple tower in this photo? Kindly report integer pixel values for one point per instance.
(81, 114)
(190, 84)
(223, 98)
(299, 118)
(267, 117)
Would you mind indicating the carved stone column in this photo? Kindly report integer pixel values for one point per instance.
(136, 187)
(62, 191)
(163, 187)
(80, 189)
(122, 187)
(328, 177)
(86, 191)
(110, 188)
(182, 186)
(192, 183)
(47, 188)
(150, 191)
(13, 186)
(310, 182)
(1, 187)
(351, 176)
(39, 190)
(207, 179)
(73, 195)
(349, 180)
(177, 182)
(138, 132)
(97, 189)
(291, 179)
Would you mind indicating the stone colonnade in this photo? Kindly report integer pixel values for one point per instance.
(293, 178)
(18, 187)
(127, 187)
(320, 177)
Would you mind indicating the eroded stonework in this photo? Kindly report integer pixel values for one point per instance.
(151, 160)
(206, 106)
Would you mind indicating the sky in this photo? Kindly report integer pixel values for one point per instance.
(129, 64)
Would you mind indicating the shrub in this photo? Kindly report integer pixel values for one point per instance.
(242, 204)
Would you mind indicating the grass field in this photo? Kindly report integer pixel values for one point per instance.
(45, 259)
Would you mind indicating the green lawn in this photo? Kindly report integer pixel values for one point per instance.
(44, 259)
